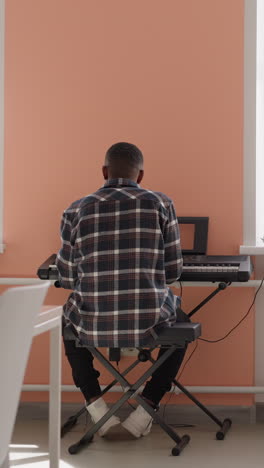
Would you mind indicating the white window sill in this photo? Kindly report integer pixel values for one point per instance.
(252, 249)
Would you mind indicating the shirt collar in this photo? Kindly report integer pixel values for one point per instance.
(120, 182)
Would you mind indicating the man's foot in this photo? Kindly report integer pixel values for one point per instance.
(97, 410)
(138, 423)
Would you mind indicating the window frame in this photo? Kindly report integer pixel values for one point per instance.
(2, 93)
(250, 246)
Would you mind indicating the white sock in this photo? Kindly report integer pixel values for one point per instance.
(97, 409)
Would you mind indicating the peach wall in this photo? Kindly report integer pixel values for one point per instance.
(165, 75)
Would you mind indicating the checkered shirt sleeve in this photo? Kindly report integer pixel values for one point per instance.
(173, 256)
(65, 261)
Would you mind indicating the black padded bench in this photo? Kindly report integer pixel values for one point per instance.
(171, 338)
(180, 334)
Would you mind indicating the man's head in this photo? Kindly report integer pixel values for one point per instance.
(123, 160)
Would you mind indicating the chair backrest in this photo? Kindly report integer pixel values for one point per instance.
(19, 308)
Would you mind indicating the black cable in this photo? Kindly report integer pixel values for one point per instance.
(240, 321)
(178, 377)
(168, 400)
(164, 409)
(192, 353)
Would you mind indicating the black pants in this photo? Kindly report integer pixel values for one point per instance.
(86, 377)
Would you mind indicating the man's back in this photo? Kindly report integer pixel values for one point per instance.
(120, 247)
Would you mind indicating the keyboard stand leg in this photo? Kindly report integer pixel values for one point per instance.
(221, 287)
(224, 425)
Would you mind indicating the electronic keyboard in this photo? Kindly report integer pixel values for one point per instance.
(195, 268)
(225, 268)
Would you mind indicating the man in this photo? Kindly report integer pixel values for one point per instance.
(120, 249)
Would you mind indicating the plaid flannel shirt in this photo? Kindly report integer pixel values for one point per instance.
(120, 250)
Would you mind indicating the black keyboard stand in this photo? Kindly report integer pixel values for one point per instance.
(223, 425)
(226, 424)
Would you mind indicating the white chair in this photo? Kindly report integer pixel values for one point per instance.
(19, 308)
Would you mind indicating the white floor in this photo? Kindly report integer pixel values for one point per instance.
(243, 447)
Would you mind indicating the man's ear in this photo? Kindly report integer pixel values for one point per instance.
(105, 172)
(140, 176)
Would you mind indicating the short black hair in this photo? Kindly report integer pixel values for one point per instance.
(124, 160)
